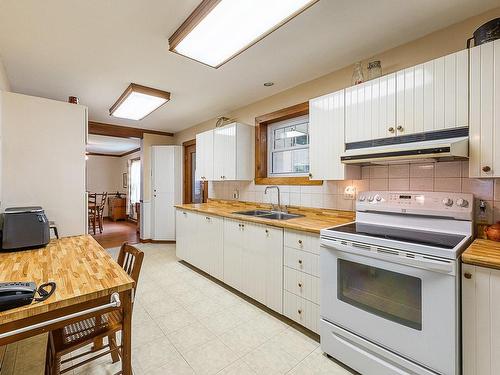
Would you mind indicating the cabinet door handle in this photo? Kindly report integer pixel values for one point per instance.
(468, 275)
(267, 231)
(300, 261)
(400, 128)
(208, 218)
(300, 242)
(310, 175)
(300, 285)
(299, 311)
(391, 129)
(185, 213)
(486, 168)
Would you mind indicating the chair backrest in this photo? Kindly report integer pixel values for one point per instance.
(130, 259)
(92, 198)
(104, 196)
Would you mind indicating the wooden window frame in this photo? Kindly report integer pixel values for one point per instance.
(261, 149)
(186, 188)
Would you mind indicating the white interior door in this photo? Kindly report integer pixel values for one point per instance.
(165, 179)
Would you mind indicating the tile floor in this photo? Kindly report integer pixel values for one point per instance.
(184, 323)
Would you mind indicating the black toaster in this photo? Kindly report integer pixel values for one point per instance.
(24, 228)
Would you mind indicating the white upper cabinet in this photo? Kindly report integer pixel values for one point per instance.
(225, 153)
(426, 97)
(370, 109)
(326, 138)
(205, 156)
(484, 136)
(434, 95)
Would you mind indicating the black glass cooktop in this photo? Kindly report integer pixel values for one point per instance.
(420, 237)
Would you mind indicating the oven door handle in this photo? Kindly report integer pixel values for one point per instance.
(443, 266)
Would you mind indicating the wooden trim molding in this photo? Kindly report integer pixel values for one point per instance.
(111, 130)
(113, 155)
(261, 124)
(191, 22)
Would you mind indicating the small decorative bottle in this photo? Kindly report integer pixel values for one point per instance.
(357, 74)
(374, 69)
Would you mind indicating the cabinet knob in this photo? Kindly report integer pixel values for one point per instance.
(300, 242)
(468, 275)
(206, 217)
(300, 285)
(310, 175)
(267, 231)
(185, 213)
(400, 128)
(486, 168)
(300, 261)
(299, 311)
(391, 130)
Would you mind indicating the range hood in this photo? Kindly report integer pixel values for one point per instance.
(418, 147)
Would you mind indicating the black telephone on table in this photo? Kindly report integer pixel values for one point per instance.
(15, 294)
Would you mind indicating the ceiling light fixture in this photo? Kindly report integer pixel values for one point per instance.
(218, 30)
(138, 101)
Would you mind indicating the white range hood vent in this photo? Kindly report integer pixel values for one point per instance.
(444, 144)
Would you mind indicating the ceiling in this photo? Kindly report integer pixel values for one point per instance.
(94, 49)
(102, 144)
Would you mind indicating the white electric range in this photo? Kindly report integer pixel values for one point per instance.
(390, 285)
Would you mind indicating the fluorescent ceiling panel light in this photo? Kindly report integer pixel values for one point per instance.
(138, 101)
(218, 30)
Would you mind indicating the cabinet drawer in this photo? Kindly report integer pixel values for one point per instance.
(301, 311)
(302, 261)
(302, 241)
(302, 284)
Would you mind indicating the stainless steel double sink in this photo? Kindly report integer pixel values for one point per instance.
(267, 214)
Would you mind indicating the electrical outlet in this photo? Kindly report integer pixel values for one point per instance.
(350, 192)
(236, 194)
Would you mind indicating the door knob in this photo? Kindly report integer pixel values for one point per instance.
(400, 128)
(486, 168)
(391, 130)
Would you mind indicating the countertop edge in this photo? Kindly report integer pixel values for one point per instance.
(482, 253)
(285, 224)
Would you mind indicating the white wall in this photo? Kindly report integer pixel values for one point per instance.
(43, 158)
(4, 81)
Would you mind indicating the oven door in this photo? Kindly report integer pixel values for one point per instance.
(403, 302)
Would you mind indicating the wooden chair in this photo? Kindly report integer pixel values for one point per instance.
(92, 212)
(100, 210)
(92, 330)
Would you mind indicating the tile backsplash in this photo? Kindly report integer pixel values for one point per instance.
(442, 176)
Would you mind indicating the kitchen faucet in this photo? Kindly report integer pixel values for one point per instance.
(279, 198)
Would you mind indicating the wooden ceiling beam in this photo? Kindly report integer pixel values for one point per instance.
(110, 130)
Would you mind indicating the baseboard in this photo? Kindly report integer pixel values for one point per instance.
(155, 241)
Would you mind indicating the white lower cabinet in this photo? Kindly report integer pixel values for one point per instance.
(253, 261)
(480, 320)
(200, 241)
(278, 268)
(301, 275)
(301, 311)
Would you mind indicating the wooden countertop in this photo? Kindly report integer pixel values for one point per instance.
(81, 268)
(484, 253)
(313, 221)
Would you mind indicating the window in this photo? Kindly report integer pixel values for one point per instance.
(288, 147)
(134, 186)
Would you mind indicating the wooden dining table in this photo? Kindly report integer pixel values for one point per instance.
(86, 277)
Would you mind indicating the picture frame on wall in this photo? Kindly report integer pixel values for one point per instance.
(125, 180)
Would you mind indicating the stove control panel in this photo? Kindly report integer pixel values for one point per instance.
(457, 205)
